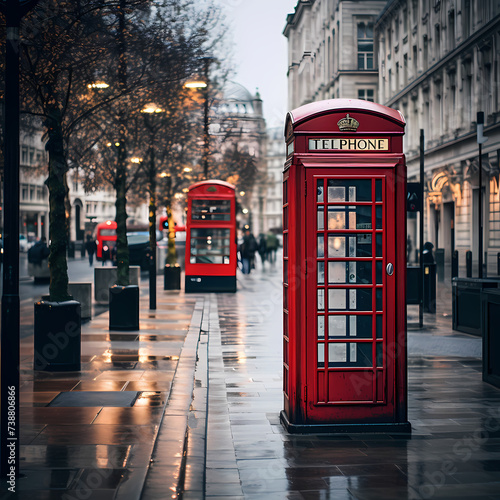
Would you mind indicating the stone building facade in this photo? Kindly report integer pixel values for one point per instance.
(437, 61)
(331, 51)
(440, 65)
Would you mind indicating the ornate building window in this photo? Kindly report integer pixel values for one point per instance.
(365, 46)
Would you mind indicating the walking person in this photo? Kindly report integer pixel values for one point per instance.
(91, 248)
(247, 251)
(262, 249)
(272, 244)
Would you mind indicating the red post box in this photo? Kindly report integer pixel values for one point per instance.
(344, 266)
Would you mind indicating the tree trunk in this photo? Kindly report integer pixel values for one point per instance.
(122, 252)
(58, 229)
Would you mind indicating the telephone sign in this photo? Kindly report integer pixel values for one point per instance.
(344, 260)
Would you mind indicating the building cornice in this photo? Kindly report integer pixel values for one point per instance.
(293, 19)
(460, 49)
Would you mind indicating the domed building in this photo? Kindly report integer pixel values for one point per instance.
(239, 126)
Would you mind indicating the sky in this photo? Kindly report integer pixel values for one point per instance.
(260, 51)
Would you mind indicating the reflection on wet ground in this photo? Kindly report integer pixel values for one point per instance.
(90, 434)
(453, 452)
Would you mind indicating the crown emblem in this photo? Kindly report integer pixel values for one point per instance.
(348, 124)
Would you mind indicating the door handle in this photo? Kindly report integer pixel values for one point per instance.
(390, 269)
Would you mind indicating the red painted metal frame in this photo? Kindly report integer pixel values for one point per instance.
(320, 120)
(212, 190)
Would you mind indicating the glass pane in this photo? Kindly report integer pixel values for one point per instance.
(378, 296)
(319, 191)
(352, 219)
(336, 272)
(285, 245)
(378, 244)
(336, 246)
(336, 218)
(353, 326)
(321, 327)
(352, 272)
(363, 328)
(211, 210)
(337, 326)
(321, 246)
(352, 353)
(336, 299)
(360, 300)
(285, 218)
(337, 353)
(321, 218)
(365, 245)
(321, 273)
(352, 246)
(369, 61)
(378, 214)
(378, 190)
(321, 299)
(352, 299)
(335, 193)
(363, 355)
(210, 246)
(380, 354)
(357, 190)
(379, 326)
(379, 272)
(360, 273)
(364, 217)
(285, 271)
(321, 355)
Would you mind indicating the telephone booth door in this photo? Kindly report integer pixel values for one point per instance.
(344, 262)
(350, 294)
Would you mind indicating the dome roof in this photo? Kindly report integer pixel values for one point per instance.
(237, 100)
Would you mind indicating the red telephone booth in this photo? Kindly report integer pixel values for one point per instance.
(344, 251)
(211, 237)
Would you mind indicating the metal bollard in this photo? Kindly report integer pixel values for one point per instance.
(468, 263)
(454, 265)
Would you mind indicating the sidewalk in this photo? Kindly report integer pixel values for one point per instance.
(188, 407)
(90, 434)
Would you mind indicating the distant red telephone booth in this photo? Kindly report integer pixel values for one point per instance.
(211, 237)
(344, 248)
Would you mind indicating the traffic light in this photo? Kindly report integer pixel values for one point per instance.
(164, 223)
(413, 199)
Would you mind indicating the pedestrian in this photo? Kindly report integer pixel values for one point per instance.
(272, 244)
(262, 248)
(247, 251)
(38, 252)
(427, 255)
(91, 248)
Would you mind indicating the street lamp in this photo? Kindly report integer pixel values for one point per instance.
(13, 11)
(148, 111)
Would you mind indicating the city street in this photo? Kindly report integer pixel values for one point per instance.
(190, 405)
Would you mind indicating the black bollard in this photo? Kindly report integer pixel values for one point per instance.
(468, 263)
(454, 265)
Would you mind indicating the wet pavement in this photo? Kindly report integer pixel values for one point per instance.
(188, 407)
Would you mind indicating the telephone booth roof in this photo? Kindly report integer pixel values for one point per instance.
(211, 183)
(300, 116)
